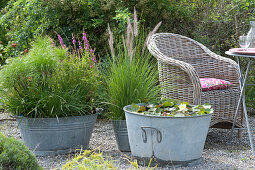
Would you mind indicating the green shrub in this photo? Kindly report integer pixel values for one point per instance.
(48, 83)
(3, 41)
(216, 24)
(250, 89)
(23, 19)
(3, 3)
(15, 155)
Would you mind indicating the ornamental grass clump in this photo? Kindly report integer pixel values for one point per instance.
(49, 82)
(132, 76)
(172, 108)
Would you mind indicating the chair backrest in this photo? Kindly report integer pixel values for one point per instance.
(185, 49)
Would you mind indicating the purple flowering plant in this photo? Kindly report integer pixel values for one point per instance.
(83, 50)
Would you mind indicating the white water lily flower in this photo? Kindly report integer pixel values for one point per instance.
(152, 109)
(207, 106)
(183, 108)
(179, 115)
(151, 105)
(170, 109)
(195, 109)
(211, 111)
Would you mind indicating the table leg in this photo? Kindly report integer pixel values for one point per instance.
(240, 83)
(248, 126)
(242, 97)
(240, 72)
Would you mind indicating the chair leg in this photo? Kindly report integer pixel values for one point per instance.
(239, 133)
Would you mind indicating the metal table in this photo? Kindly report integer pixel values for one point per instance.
(242, 96)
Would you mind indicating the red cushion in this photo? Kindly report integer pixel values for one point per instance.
(208, 84)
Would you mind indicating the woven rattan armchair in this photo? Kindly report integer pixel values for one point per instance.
(182, 62)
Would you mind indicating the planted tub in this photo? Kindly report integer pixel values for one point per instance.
(121, 135)
(177, 141)
(52, 136)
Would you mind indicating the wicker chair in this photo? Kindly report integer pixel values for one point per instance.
(182, 61)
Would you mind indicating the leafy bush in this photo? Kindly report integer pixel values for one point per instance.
(3, 41)
(3, 3)
(15, 155)
(132, 74)
(216, 24)
(250, 89)
(23, 19)
(48, 83)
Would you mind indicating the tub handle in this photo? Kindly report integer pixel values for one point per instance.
(144, 135)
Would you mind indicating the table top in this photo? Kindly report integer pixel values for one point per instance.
(240, 55)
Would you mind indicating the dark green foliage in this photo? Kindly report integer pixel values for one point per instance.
(3, 41)
(23, 20)
(214, 23)
(250, 89)
(3, 3)
(15, 155)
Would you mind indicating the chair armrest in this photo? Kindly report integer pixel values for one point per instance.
(178, 79)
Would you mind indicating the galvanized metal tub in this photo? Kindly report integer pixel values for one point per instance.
(52, 136)
(167, 140)
(121, 135)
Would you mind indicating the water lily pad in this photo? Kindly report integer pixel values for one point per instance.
(134, 108)
(159, 110)
(171, 108)
(141, 109)
(158, 106)
(179, 115)
(147, 113)
(168, 104)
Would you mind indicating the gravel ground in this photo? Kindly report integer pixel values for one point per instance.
(217, 153)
